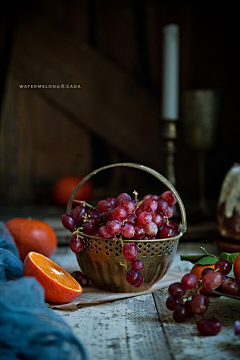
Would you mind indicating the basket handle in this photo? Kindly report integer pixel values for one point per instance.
(140, 167)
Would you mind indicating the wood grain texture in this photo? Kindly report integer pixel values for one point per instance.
(110, 102)
(126, 329)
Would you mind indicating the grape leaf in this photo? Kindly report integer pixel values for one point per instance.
(229, 256)
(207, 260)
(192, 258)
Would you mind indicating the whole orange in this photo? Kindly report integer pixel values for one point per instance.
(59, 286)
(197, 269)
(32, 235)
(236, 268)
(64, 186)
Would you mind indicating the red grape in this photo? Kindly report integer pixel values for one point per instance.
(190, 313)
(212, 280)
(137, 265)
(104, 233)
(174, 225)
(133, 277)
(140, 281)
(140, 232)
(81, 278)
(68, 222)
(78, 213)
(114, 227)
(206, 270)
(129, 206)
(130, 251)
(132, 219)
(121, 197)
(176, 290)
(157, 219)
(151, 229)
(169, 212)
(166, 232)
(237, 328)
(144, 218)
(169, 197)
(90, 226)
(104, 205)
(172, 302)
(150, 205)
(162, 205)
(223, 266)
(189, 281)
(119, 213)
(128, 230)
(76, 243)
(199, 304)
(180, 313)
(209, 327)
(94, 213)
(231, 286)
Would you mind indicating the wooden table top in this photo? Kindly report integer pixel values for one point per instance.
(141, 327)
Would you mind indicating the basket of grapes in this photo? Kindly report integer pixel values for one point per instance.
(126, 244)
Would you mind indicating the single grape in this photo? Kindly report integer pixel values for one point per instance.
(89, 227)
(223, 266)
(81, 278)
(157, 219)
(128, 230)
(212, 280)
(199, 304)
(206, 270)
(151, 229)
(147, 197)
(140, 232)
(150, 205)
(112, 201)
(237, 328)
(166, 232)
(174, 225)
(104, 218)
(169, 197)
(130, 251)
(169, 212)
(78, 214)
(162, 205)
(140, 282)
(180, 313)
(104, 205)
(231, 286)
(129, 206)
(121, 197)
(133, 277)
(144, 218)
(137, 265)
(176, 290)
(119, 213)
(172, 302)
(114, 227)
(94, 213)
(209, 327)
(132, 219)
(76, 243)
(104, 233)
(189, 281)
(68, 222)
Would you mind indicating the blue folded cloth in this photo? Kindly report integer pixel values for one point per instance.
(29, 329)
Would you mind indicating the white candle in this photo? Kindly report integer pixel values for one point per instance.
(170, 80)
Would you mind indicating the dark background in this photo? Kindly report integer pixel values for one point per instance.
(46, 134)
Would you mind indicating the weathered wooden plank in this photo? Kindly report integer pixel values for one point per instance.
(184, 340)
(109, 102)
(126, 329)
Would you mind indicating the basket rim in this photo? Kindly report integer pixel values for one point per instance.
(176, 237)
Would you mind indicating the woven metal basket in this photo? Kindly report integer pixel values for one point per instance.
(102, 260)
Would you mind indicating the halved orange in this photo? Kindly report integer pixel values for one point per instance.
(59, 285)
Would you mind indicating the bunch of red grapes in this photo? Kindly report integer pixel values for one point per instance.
(189, 297)
(124, 218)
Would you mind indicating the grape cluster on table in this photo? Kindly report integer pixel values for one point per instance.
(189, 297)
(124, 218)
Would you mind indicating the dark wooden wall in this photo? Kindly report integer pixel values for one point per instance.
(113, 49)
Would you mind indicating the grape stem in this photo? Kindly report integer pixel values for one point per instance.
(136, 195)
(84, 203)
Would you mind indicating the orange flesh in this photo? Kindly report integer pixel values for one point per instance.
(54, 271)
